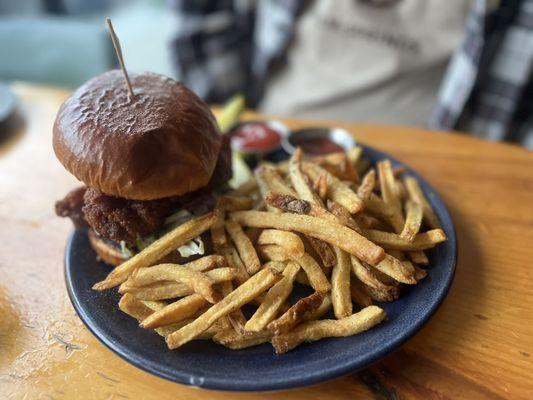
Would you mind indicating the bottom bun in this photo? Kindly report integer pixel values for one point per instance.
(106, 251)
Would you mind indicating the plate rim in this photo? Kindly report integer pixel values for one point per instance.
(215, 383)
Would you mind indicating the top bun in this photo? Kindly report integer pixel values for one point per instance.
(163, 143)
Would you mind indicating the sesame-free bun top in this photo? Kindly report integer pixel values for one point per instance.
(164, 142)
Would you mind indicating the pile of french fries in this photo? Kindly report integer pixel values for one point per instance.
(351, 232)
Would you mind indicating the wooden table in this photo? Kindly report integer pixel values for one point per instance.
(479, 345)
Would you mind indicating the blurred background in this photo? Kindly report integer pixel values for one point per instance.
(457, 65)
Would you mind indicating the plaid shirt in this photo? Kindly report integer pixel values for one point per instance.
(488, 88)
(222, 47)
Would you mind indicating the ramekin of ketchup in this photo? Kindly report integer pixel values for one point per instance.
(258, 137)
(316, 141)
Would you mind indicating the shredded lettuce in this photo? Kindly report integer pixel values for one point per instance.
(127, 253)
(191, 248)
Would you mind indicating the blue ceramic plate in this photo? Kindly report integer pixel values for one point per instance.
(208, 365)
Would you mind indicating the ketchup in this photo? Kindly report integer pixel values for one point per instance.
(255, 137)
(319, 146)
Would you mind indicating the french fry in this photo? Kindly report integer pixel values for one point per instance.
(235, 341)
(320, 186)
(157, 250)
(246, 188)
(217, 327)
(236, 203)
(289, 240)
(154, 305)
(300, 182)
(242, 295)
(367, 185)
(199, 282)
(203, 264)
(288, 203)
(339, 165)
(268, 179)
(354, 155)
(302, 279)
(389, 190)
(234, 261)
(351, 185)
(421, 241)
(306, 192)
(358, 294)
(175, 312)
(314, 273)
(336, 164)
(278, 266)
(402, 191)
(336, 234)
(337, 190)
(420, 273)
(387, 280)
(141, 310)
(292, 204)
(418, 257)
(334, 161)
(134, 307)
(319, 312)
(244, 246)
(343, 215)
(400, 255)
(413, 221)
(377, 207)
(162, 290)
(283, 308)
(225, 274)
(273, 300)
(396, 269)
(206, 263)
(224, 247)
(323, 251)
(235, 318)
(367, 221)
(253, 234)
(340, 285)
(390, 293)
(417, 195)
(297, 314)
(295, 205)
(157, 290)
(317, 279)
(168, 329)
(316, 330)
(274, 253)
(366, 275)
(218, 232)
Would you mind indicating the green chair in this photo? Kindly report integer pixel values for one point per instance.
(53, 50)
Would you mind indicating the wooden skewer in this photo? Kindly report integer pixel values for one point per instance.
(118, 50)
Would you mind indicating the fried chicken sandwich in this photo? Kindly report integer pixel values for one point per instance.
(147, 163)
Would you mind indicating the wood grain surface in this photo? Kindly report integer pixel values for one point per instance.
(479, 345)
